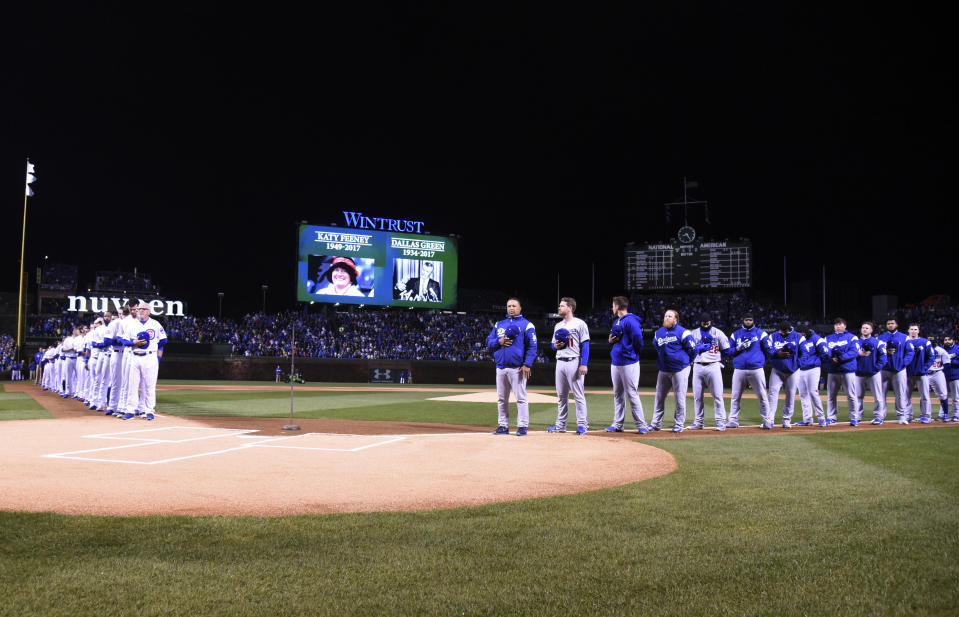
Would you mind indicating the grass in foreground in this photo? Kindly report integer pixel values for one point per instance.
(832, 524)
(20, 406)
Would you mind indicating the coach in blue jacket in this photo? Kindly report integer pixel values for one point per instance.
(675, 347)
(513, 345)
(626, 338)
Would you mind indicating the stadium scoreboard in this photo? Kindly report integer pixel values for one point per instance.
(688, 265)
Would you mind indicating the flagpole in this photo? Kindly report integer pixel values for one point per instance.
(23, 244)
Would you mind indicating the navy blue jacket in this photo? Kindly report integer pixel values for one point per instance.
(845, 346)
(523, 350)
(952, 369)
(877, 358)
(675, 348)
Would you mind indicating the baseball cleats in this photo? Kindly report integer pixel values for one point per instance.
(580, 430)
(830, 421)
(787, 424)
(823, 423)
(678, 428)
(721, 427)
(732, 425)
(766, 426)
(803, 423)
(695, 427)
(903, 421)
(613, 429)
(876, 422)
(127, 416)
(556, 428)
(925, 419)
(955, 418)
(642, 430)
(854, 423)
(521, 431)
(148, 416)
(942, 417)
(654, 428)
(108, 412)
(501, 430)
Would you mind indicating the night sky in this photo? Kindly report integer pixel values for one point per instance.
(189, 142)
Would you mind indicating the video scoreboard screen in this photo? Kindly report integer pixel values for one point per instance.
(694, 265)
(386, 268)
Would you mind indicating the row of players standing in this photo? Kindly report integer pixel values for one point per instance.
(111, 366)
(797, 358)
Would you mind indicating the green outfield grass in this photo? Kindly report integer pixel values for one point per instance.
(411, 406)
(857, 523)
(20, 406)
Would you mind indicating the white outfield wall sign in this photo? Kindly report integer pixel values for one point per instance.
(98, 304)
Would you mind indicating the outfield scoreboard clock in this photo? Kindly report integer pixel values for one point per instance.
(688, 264)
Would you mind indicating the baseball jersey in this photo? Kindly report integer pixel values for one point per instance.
(156, 335)
(940, 359)
(125, 330)
(578, 334)
(110, 336)
(712, 352)
(99, 333)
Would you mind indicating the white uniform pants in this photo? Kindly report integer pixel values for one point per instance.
(678, 383)
(569, 380)
(874, 385)
(142, 374)
(708, 377)
(757, 379)
(626, 387)
(920, 382)
(789, 382)
(848, 381)
(118, 368)
(69, 376)
(937, 386)
(953, 409)
(510, 379)
(809, 395)
(900, 388)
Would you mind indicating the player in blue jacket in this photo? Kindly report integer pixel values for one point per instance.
(843, 351)
(811, 353)
(872, 357)
(748, 350)
(675, 347)
(783, 351)
(626, 338)
(513, 345)
(952, 377)
(898, 356)
(918, 372)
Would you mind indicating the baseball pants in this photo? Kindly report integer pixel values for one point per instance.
(510, 379)
(757, 379)
(789, 382)
(118, 377)
(920, 382)
(937, 386)
(69, 376)
(142, 373)
(809, 395)
(569, 380)
(626, 387)
(953, 403)
(708, 377)
(874, 384)
(678, 382)
(900, 388)
(848, 381)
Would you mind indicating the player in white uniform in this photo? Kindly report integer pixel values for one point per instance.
(68, 374)
(149, 337)
(937, 379)
(100, 361)
(125, 336)
(114, 376)
(571, 341)
(708, 372)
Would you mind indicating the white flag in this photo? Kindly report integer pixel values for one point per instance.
(30, 179)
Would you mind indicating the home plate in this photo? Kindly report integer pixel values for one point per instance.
(489, 396)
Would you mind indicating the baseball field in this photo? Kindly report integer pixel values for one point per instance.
(396, 500)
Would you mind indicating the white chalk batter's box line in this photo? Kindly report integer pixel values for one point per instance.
(267, 442)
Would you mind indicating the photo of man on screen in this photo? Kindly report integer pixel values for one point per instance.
(418, 281)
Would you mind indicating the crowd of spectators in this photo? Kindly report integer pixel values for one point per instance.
(125, 282)
(59, 277)
(8, 351)
(434, 335)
